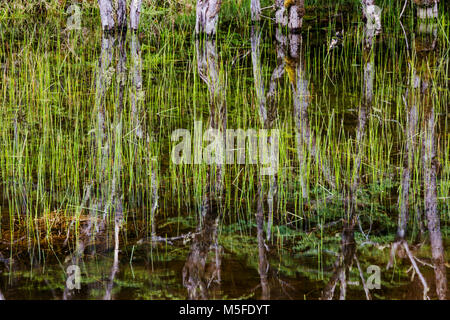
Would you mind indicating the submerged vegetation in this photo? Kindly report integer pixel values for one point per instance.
(361, 104)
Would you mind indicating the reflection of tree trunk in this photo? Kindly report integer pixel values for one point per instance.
(263, 265)
(257, 72)
(116, 193)
(195, 277)
(281, 13)
(115, 266)
(347, 256)
(420, 95)
(299, 84)
(138, 122)
(431, 212)
(364, 110)
(302, 98)
(267, 103)
(348, 245)
(268, 108)
(194, 271)
(136, 92)
(277, 74)
(343, 263)
(255, 8)
(410, 134)
(427, 9)
(424, 80)
(410, 131)
(105, 195)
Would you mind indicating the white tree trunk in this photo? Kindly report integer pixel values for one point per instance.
(207, 16)
(135, 12)
(428, 11)
(255, 8)
(281, 13)
(296, 13)
(106, 14)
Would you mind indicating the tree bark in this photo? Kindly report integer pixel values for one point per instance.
(427, 9)
(410, 131)
(263, 262)
(255, 8)
(106, 14)
(207, 16)
(296, 13)
(432, 214)
(281, 13)
(135, 12)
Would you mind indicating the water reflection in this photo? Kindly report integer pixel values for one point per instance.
(267, 104)
(419, 98)
(348, 252)
(103, 195)
(423, 84)
(197, 278)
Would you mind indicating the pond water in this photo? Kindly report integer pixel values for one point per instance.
(91, 187)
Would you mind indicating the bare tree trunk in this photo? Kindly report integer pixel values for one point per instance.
(106, 14)
(410, 134)
(410, 131)
(306, 141)
(427, 9)
(263, 263)
(255, 8)
(266, 117)
(257, 73)
(432, 214)
(121, 14)
(115, 192)
(343, 263)
(136, 92)
(267, 111)
(195, 278)
(207, 16)
(424, 83)
(135, 12)
(281, 13)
